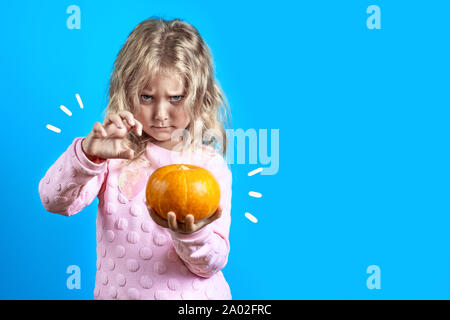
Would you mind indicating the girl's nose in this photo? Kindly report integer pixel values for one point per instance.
(161, 114)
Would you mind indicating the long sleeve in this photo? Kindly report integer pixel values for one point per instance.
(205, 251)
(72, 182)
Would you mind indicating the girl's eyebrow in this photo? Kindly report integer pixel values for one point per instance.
(174, 93)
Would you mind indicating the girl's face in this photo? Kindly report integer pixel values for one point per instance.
(162, 110)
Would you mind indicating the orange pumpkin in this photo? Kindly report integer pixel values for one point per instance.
(184, 189)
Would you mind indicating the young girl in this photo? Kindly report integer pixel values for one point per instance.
(163, 83)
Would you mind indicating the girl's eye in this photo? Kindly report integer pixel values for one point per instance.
(176, 98)
(146, 97)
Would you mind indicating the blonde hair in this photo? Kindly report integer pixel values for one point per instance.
(157, 45)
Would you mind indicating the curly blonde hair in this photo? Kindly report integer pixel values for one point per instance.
(157, 45)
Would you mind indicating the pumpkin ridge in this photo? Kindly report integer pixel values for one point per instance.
(186, 193)
(160, 197)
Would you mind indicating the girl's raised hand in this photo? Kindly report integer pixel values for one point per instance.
(106, 140)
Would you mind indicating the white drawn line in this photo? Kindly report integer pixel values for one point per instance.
(54, 129)
(251, 173)
(250, 217)
(79, 100)
(66, 111)
(255, 194)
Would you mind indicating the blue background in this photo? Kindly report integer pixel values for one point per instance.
(364, 116)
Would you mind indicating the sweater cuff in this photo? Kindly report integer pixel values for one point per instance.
(197, 236)
(84, 160)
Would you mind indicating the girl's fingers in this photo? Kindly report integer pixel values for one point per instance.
(190, 226)
(138, 128)
(114, 118)
(107, 119)
(132, 122)
(172, 221)
(124, 119)
(128, 116)
(99, 131)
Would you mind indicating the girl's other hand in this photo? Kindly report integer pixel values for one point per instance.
(106, 141)
(188, 225)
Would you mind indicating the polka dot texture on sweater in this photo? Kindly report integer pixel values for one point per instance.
(136, 258)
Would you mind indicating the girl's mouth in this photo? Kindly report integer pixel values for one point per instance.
(161, 128)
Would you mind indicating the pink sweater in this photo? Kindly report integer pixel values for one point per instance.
(136, 258)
